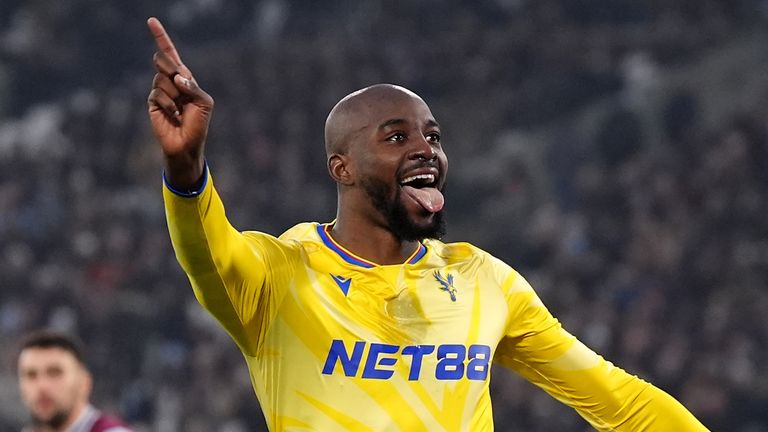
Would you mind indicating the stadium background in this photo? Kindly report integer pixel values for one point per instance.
(614, 151)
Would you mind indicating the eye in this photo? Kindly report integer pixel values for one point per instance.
(397, 137)
(433, 137)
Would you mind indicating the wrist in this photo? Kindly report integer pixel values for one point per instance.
(189, 183)
(184, 171)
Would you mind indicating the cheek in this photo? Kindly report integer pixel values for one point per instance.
(381, 165)
(78, 386)
(27, 390)
(64, 387)
(443, 166)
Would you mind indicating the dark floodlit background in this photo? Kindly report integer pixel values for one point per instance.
(613, 151)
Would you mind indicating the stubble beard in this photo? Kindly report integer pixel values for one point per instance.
(54, 422)
(396, 215)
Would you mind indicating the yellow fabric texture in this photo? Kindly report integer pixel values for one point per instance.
(406, 347)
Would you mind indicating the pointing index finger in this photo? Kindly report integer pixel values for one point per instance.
(162, 40)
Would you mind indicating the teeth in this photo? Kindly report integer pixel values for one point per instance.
(430, 178)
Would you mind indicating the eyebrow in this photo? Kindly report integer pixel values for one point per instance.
(399, 121)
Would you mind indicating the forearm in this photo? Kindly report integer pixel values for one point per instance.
(196, 224)
(606, 396)
(655, 410)
(613, 400)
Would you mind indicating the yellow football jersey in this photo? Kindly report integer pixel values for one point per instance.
(334, 342)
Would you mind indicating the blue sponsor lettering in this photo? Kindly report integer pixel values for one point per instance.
(374, 360)
(479, 356)
(454, 361)
(417, 353)
(338, 352)
(450, 362)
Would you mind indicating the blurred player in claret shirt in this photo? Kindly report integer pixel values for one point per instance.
(56, 387)
(370, 322)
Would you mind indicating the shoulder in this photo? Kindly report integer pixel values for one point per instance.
(293, 237)
(469, 257)
(301, 232)
(107, 423)
(457, 252)
(291, 245)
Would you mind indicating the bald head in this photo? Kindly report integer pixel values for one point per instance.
(355, 111)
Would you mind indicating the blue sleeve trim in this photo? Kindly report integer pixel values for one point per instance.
(189, 193)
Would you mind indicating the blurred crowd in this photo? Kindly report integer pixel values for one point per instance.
(647, 238)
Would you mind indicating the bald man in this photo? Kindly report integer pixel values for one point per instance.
(370, 322)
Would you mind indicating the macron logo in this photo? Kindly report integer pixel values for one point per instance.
(342, 283)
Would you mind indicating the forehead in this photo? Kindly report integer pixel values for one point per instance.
(397, 105)
(38, 358)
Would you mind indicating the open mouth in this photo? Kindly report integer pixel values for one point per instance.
(419, 181)
(422, 188)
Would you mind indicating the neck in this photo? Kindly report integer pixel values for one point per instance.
(373, 242)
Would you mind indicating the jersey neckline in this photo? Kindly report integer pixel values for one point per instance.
(351, 258)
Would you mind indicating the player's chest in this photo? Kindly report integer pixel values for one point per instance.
(437, 324)
(427, 305)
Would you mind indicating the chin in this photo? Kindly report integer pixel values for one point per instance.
(55, 420)
(418, 228)
(405, 224)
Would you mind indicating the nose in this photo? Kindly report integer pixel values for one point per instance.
(424, 150)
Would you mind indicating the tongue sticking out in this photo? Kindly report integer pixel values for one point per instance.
(430, 198)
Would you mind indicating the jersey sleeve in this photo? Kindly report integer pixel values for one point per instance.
(539, 349)
(236, 276)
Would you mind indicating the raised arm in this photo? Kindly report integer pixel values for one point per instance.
(180, 112)
(232, 274)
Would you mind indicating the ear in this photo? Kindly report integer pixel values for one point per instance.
(339, 168)
(87, 384)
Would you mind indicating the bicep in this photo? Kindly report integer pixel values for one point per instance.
(245, 290)
(536, 346)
